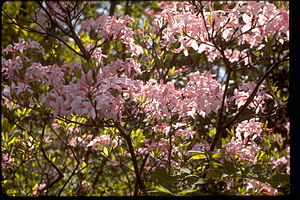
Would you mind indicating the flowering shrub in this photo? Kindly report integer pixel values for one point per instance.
(182, 103)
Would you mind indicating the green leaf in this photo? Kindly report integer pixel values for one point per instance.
(26, 136)
(261, 156)
(185, 170)
(105, 151)
(161, 54)
(188, 190)
(229, 168)
(217, 155)
(281, 178)
(171, 71)
(209, 18)
(196, 152)
(161, 177)
(212, 132)
(145, 23)
(231, 132)
(151, 64)
(191, 179)
(11, 141)
(163, 189)
(144, 98)
(216, 164)
(141, 137)
(138, 131)
(83, 166)
(200, 181)
(157, 40)
(146, 51)
(13, 134)
(199, 156)
(6, 136)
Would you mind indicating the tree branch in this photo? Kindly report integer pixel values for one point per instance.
(221, 112)
(250, 98)
(125, 135)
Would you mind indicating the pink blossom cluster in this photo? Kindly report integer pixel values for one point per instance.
(96, 54)
(50, 75)
(248, 129)
(20, 87)
(267, 18)
(93, 142)
(6, 160)
(37, 188)
(179, 130)
(84, 96)
(185, 133)
(87, 97)
(255, 185)
(202, 146)
(58, 13)
(243, 92)
(202, 95)
(111, 28)
(159, 151)
(287, 127)
(242, 144)
(23, 45)
(193, 30)
(11, 66)
(162, 99)
(247, 152)
(281, 161)
(102, 91)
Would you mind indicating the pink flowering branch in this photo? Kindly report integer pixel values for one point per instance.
(116, 99)
(49, 161)
(19, 26)
(67, 19)
(249, 100)
(74, 155)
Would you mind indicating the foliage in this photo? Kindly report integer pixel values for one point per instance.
(122, 98)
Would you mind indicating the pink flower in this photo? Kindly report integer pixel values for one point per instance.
(287, 127)
(8, 49)
(57, 105)
(247, 152)
(203, 146)
(47, 139)
(243, 92)
(97, 54)
(37, 188)
(21, 45)
(256, 185)
(205, 93)
(12, 66)
(248, 128)
(21, 87)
